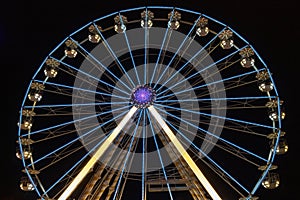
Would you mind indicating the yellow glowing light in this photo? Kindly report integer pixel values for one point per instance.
(86, 169)
(184, 154)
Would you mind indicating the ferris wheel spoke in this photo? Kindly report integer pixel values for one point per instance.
(233, 151)
(203, 180)
(233, 85)
(73, 121)
(192, 58)
(103, 66)
(128, 153)
(207, 77)
(159, 155)
(216, 99)
(202, 70)
(199, 150)
(208, 157)
(161, 49)
(143, 155)
(89, 76)
(77, 180)
(234, 127)
(112, 53)
(208, 84)
(220, 117)
(146, 40)
(75, 104)
(76, 139)
(66, 155)
(82, 89)
(77, 164)
(209, 133)
(130, 52)
(175, 54)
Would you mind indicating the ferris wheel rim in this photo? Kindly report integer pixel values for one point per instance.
(270, 159)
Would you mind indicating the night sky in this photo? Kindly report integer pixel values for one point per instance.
(29, 31)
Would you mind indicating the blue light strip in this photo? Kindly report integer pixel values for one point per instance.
(20, 142)
(160, 158)
(81, 136)
(161, 7)
(143, 155)
(220, 117)
(175, 54)
(80, 29)
(191, 76)
(127, 155)
(189, 11)
(204, 85)
(275, 89)
(239, 36)
(161, 49)
(132, 9)
(81, 119)
(210, 159)
(32, 180)
(145, 47)
(200, 51)
(130, 52)
(216, 99)
(74, 105)
(77, 163)
(89, 75)
(95, 59)
(264, 174)
(113, 53)
(208, 17)
(106, 16)
(81, 89)
(223, 140)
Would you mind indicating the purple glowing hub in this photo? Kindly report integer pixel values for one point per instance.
(143, 96)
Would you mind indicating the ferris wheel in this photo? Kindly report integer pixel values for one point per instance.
(147, 103)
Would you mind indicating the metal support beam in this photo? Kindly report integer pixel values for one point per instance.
(184, 154)
(86, 169)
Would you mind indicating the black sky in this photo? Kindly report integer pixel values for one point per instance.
(29, 31)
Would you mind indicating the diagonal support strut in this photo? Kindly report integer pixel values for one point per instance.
(184, 154)
(85, 170)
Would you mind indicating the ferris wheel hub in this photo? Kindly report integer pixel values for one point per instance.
(143, 96)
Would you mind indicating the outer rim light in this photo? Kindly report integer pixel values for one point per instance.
(271, 181)
(174, 24)
(266, 87)
(94, 38)
(226, 43)
(149, 24)
(202, 31)
(51, 72)
(26, 154)
(36, 96)
(71, 53)
(26, 184)
(120, 28)
(247, 62)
